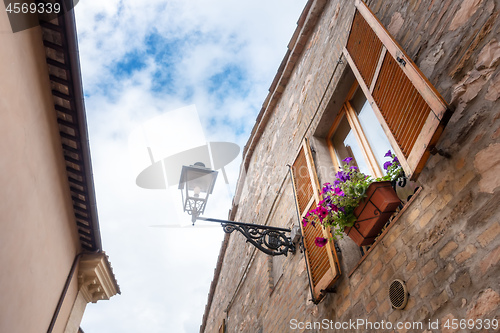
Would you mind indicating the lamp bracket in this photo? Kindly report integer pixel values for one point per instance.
(270, 240)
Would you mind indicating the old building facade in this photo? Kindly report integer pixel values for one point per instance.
(429, 69)
(51, 253)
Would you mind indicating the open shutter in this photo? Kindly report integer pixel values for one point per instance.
(410, 110)
(322, 262)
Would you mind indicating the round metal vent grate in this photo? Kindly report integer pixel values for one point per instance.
(398, 294)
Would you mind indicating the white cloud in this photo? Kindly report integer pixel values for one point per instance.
(140, 60)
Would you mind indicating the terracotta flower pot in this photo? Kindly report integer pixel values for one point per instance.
(373, 212)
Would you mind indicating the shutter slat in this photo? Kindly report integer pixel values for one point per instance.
(366, 46)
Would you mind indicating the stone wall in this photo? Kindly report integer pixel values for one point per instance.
(445, 244)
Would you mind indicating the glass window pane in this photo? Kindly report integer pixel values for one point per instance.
(345, 145)
(371, 127)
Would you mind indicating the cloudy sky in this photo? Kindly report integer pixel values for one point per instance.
(140, 62)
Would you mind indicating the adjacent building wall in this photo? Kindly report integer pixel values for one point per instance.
(445, 245)
(38, 242)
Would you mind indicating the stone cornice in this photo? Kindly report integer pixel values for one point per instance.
(96, 280)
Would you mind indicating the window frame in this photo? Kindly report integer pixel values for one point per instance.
(349, 112)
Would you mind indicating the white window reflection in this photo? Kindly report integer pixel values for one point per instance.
(345, 145)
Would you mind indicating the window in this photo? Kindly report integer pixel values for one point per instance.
(409, 109)
(356, 133)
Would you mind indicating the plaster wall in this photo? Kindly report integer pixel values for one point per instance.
(445, 245)
(38, 242)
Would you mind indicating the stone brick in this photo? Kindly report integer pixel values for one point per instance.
(390, 254)
(428, 268)
(399, 260)
(422, 313)
(462, 282)
(374, 287)
(408, 234)
(429, 198)
(370, 306)
(412, 283)
(448, 249)
(444, 274)
(460, 163)
(466, 178)
(442, 201)
(469, 251)
(367, 279)
(367, 264)
(487, 301)
(424, 219)
(490, 260)
(438, 301)
(412, 215)
(411, 303)
(381, 295)
(375, 254)
(442, 184)
(384, 307)
(426, 289)
(376, 268)
(489, 234)
(343, 307)
(346, 290)
(394, 316)
(388, 273)
(356, 278)
(411, 265)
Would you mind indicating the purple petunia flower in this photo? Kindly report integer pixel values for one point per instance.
(320, 241)
(326, 188)
(347, 160)
(395, 160)
(388, 154)
(343, 176)
(304, 222)
(338, 191)
(387, 165)
(353, 167)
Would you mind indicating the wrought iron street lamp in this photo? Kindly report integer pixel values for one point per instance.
(197, 183)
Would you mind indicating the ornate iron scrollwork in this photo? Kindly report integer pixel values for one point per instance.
(270, 240)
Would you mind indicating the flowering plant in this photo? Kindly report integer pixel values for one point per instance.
(393, 168)
(341, 197)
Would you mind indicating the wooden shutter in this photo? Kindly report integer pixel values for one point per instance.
(410, 110)
(322, 262)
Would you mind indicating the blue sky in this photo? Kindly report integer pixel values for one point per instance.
(139, 61)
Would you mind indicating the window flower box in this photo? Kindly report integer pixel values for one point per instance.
(373, 212)
(355, 204)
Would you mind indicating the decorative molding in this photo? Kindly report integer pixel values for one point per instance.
(96, 280)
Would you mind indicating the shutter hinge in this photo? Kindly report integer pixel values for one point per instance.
(433, 150)
(401, 61)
